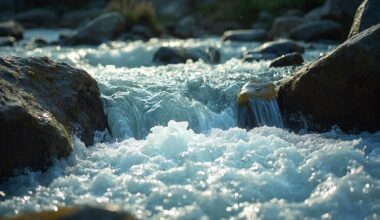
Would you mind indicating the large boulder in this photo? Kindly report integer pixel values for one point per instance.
(103, 28)
(11, 29)
(42, 103)
(175, 55)
(283, 25)
(367, 15)
(253, 35)
(340, 88)
(317, 30)
(37, 18)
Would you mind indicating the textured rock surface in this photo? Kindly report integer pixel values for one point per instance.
(367, 15)
(42, 103)
(103, 28)
(341, 88)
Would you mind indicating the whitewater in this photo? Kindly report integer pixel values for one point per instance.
(176, 151)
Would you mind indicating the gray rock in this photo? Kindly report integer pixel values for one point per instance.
(42, 103)
(280, 47)
(367, 15)
(36, 42)
(252, 35)
(340, 88)
(283, 25)
(37, 18)
(294, 12)
(290, 59)
(175, 55)
(317, 30)
(7, 41)
(256, 56)
(11, 28)
(103, 28)
(77, 18)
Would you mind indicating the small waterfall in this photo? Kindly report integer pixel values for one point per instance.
(257, 106)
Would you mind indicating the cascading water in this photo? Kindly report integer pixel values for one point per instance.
(257, 106)
(178, 153)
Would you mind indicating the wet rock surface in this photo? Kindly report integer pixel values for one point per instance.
(11, 29)
(340, 88)
(175, 55)
(42, 104)
(258, 35)
(290, 59)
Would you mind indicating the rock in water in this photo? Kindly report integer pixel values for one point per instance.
(11, 29)
(42, 103)
(257, 106)
(175, 55)
(367, 15)
(85, 212)
(341, 88)
(290, 59)
(258, 35)
(103, 28)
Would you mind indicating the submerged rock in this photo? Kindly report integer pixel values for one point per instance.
(257, 106)
(174, 55)
(290, 59)
(42, 103)
(258, 35)
(11, 29)
(272, 50)
(367, 15)
(7, 41)
(317, 30)
(103, 28)
(341, 88)
(84, 212)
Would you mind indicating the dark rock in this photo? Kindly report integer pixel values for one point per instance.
(258, 35)
(174, 9)
(174, 55)
(103, 28)
(37, 18)
(77, 18)
(317, 30)
(283, 25)
(7, 41)
(341, 11)
(340, 88)
(42, 103)
(264, 16)
(272, 50)
(290, 59)
(367, 15)
(12, 29)
(187, 27)
(142, 32)
(83, 212)
(260, 25)
(280, 47)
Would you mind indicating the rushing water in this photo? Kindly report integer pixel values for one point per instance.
(177, 152)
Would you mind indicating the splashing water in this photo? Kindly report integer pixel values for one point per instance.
(266, 112)
(203, 167)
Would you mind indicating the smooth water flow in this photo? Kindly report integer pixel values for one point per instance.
(178, 153)
(266, 112)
